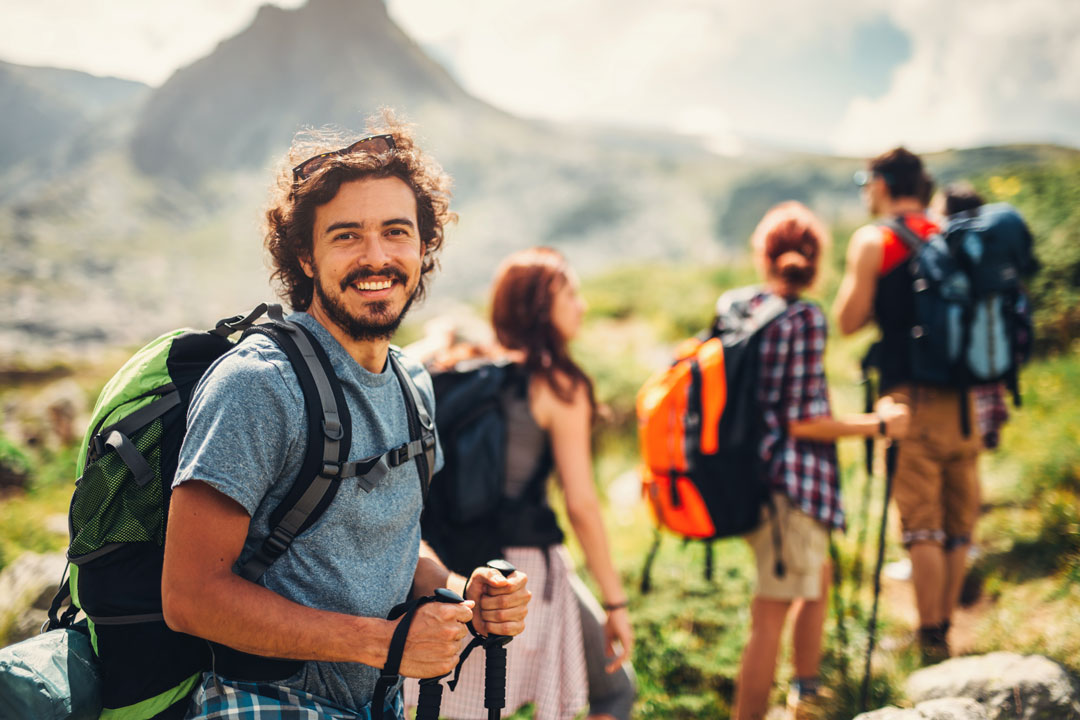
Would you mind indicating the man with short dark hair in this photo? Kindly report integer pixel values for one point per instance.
(353, 234)
(935, 484)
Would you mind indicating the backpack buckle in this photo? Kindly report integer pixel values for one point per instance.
(398, 456)
(332, 429)
(279, 544)
(97, 447)
(231, 324)
(330, 470)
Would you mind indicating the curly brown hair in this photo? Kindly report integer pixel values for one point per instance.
(290, 218)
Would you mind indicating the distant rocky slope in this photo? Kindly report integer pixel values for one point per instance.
(42, 107)
(127, 211)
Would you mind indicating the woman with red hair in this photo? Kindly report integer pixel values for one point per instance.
(799, 452)
(574, 650)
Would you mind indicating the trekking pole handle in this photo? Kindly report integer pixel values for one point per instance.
(506, 569)
(495, 650)
(431, 690)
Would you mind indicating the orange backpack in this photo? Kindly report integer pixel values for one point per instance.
(679, 411)
(700, 425)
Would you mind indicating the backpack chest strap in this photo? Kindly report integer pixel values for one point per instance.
(371, 471)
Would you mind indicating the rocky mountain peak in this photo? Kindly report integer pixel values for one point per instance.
(328, 62)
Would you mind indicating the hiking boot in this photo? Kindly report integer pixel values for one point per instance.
(807, 706)
(933, 645)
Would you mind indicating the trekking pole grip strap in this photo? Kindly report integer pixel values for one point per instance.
(389, 676)
(390, 672)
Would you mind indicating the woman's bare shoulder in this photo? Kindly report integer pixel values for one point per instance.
(550, 406)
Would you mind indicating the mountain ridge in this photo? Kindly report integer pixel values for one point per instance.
(43, 106)
(287, 70)
(147, 216)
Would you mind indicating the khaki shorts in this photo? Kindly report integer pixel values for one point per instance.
(936, 486)
(804, 542)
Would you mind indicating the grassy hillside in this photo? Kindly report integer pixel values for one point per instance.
(691, 631)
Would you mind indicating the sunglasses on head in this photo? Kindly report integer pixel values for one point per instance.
(862, 178)
(373, 144)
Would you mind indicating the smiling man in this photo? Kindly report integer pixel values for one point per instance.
(353, 235)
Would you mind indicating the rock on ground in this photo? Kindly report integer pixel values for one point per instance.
(1007, 685)
(940, 709)
(29, 582)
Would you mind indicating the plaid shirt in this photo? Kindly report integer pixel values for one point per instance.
(219, 699)
(793, 387)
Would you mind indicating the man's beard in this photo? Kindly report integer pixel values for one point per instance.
(380, 325)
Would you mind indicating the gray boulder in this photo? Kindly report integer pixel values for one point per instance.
(1007, 685)
(888, 713)
(28, 583)
(941, 709)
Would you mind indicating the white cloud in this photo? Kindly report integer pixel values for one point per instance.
(981, 71)
(713, 126)
(132, 39)
(675, 64)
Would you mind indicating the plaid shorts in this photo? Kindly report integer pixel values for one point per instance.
(217, 698)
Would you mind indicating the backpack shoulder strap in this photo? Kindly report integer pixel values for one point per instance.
(734, 307)
(906, 234)
(770, 309)
(329, 439)
(421, 445)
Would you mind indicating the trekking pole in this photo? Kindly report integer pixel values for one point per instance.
(890, 469)
(495, 663)
(864, 513)
(838, 606)
(431, 690)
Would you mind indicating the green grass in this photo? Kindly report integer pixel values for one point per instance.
(690, 631)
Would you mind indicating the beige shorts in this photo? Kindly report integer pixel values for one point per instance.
(936, 486)
(804, 543)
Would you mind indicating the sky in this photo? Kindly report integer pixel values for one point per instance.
(844, 76)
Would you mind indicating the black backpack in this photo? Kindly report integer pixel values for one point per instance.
(121, 503)
(728, 480)
(972, 317)
(469, 520)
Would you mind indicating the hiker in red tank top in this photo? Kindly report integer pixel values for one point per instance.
(935, 484)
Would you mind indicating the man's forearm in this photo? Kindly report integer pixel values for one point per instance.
(253, 619)
(202, 596)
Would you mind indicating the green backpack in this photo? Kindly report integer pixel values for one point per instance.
(121, 502)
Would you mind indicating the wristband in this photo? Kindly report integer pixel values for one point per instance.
(881, 426)
(616, 606)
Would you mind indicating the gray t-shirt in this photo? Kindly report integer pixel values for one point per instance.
(247, 436)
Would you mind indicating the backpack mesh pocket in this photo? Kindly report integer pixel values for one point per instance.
(108, 506)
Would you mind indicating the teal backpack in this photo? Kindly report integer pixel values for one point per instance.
(121, 502)
(52, 675)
